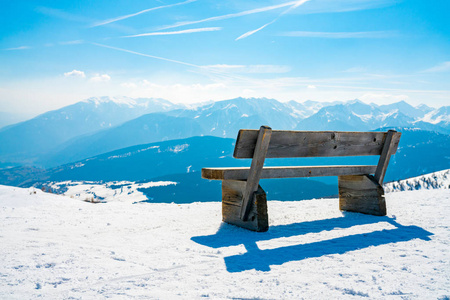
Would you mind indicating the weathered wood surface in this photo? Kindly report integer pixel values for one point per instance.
(232, 192)
(286, 172)
(285, 143)
(259, 155)
(244, 202)
(361, 193)
(388, 149)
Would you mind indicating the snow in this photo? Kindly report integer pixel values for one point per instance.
(436, 180)
(436, 116)
(229, 106)
(384, 116)
(364, 118)
(178, 148)
(132, 153)
(118, 100)
(123, 191)
(56, 247)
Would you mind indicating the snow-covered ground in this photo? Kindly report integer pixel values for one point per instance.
(57, 247)
(436, 180)
(91, 191)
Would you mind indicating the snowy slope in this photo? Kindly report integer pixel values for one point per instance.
(436, 180)
(124, 191)
(55, 247)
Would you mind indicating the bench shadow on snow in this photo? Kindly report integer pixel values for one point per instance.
(261, 260)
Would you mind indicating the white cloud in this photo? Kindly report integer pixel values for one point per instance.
(75, 42)
(18, 48)
(75, 73)
(146, 55)
(382, 98)
(185, 93)
(229, 16)
(249, 33)
(333, 6)
(176, 32)
(138, 13)
(442, 67)
(100, 78)
(129, 85)
(249, 69)
(311, 86)
(341, 35)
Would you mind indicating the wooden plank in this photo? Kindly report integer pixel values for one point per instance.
(259, 155)
(286, 172)
(285, 143)
(389, 148)
(361, 193)
(258, 219)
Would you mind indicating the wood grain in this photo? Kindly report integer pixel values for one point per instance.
(232, 192)
(241, 173)
(314, 143)
(389, 148)
(254, 174)
(361, 193)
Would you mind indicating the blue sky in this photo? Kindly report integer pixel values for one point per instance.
(54, 53)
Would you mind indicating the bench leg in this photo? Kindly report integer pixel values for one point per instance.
(232, 191)
(361, 193)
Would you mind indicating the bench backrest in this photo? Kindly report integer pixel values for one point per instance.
(284, 143)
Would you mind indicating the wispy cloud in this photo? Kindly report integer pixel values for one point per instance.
(18, 48)
(104, 22)
(249, 69)
(234, 15)
(294, 6)
(442, 67)
(341, 35)
(75, 73)
(200, 69)
(100, 78)
(249, 33)
(187, 31)
(58, 13)
(147, 55)
(75, 42)
(333, 6)
(63, 15)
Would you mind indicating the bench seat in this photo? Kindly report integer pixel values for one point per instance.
(244, 202)
(242, 173)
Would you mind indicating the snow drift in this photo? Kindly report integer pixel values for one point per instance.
(58, 247)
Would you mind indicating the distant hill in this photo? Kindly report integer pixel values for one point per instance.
(145, 162)
(145, 129)
(24, 141)
(420, 152)
(11, 118)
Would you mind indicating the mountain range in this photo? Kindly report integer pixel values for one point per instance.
(99, 125)
(25, 141)
(108, 139)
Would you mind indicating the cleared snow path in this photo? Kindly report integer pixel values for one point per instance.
(56, 247)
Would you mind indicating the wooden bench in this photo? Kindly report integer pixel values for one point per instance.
(244, 202)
